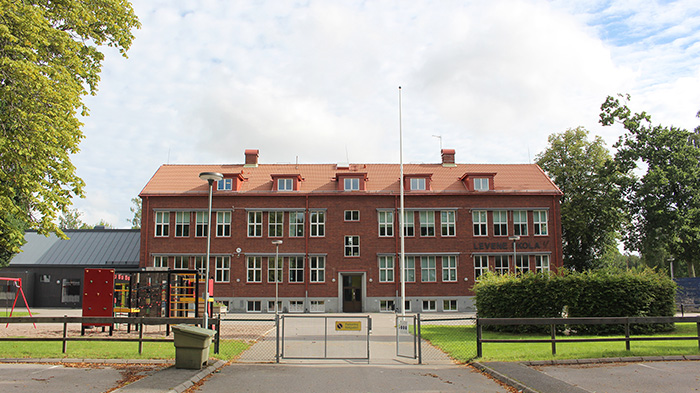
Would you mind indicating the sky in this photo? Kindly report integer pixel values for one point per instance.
(318, 82)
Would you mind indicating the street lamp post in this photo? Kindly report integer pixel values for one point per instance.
(514, 239)
(277, 271)
(210, 177)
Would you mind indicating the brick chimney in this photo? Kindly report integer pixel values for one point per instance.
(251, 157)
(448, 157)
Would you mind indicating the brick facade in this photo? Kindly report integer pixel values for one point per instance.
(351, 277)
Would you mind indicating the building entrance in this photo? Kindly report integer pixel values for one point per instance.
(352, 293)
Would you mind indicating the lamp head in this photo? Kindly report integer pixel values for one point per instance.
(211, 176)
(277, 242)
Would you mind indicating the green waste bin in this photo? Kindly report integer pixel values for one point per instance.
(192, 346)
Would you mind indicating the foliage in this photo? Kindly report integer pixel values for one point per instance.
(598, 293)
(136, 209)
(71, 220)
(49, 59)
(665, 201)
(592, 213)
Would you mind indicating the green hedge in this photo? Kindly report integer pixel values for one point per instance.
(602, 293)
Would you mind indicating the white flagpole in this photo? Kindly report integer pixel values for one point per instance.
(401, 216)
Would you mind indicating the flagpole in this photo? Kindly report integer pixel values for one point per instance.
(401, 216)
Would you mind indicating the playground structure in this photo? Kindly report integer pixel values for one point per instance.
(18, 285)
(144, 293)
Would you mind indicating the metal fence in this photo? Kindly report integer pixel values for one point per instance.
(451, 338)
(257, 333)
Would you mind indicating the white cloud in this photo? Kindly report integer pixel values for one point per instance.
(206, 80)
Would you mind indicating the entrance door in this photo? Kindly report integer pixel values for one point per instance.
(352, 293)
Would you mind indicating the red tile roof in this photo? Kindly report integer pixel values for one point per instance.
(381, 178)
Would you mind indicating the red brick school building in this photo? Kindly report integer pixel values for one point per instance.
(340, 231)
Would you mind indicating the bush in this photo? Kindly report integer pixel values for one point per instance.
(602, 293)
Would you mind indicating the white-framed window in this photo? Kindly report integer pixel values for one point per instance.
(448, 223)
(449, 268)
(160, 261)
(317, 265)
(223, 224)
(539, 222)
(296, 224)
(317, 221)
(296, 306)
(182, 224)
(317, 306)
(255, 224)
(410, 268)
(427, 223)
(427, 269)
(408, 223)
(522, 264)
(429, 305)
(351, 184)
(480, 220)
(449, 305)
(274, 269)
(254, 269)
(386, 306)
(222, 269)
(162, 224)
(541, 263)
(352, 215)
(254, 306)
(200, 267)
(500, 223)
(224, 185)
(386, 223)
(181, 263)
(407, 306)
(352, 246)
(481, 184)
(520, 222)
(296, 269)
(417, 183)
(500, 264)
(285, 184)
(481, 266)
(275, 224)
(201, 224)
(386, 269)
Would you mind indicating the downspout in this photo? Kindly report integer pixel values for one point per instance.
(307, 261)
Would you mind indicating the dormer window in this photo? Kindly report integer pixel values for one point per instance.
(479, 181)
(351, 184)
(351, 181)
(481, 184)
(285, 184)
(224, 184)
(418, 184)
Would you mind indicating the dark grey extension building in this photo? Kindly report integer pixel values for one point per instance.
(52, 269)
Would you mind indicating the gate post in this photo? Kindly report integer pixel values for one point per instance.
(420, 349)
(277, 338)
(478, 338)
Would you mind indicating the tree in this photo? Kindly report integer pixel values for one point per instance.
(665, 201)
(591, 208)
(49, 59)
(136, 209)
(71, 220)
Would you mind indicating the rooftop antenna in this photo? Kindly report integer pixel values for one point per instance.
(347, 156)
(440, 138)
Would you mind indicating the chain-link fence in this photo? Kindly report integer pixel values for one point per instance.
(446, 338)
(254, 335)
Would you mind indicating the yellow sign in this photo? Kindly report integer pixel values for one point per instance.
(348, 325)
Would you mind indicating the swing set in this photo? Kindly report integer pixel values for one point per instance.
(18, 285)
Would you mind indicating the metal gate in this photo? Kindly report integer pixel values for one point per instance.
(325, 337)
(407, 336)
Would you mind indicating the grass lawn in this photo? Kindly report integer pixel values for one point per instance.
(460, 343)
(4, 313)
(108, 350)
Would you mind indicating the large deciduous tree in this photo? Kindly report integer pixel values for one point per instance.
(665, 200)
(592, 211)
(49, 59)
